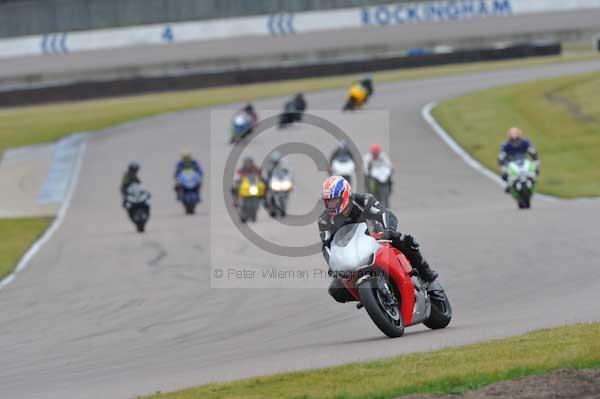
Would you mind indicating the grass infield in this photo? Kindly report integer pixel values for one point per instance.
(452, 370)
(561, 117)
(17, 235)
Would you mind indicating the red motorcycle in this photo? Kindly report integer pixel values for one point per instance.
(382, 280)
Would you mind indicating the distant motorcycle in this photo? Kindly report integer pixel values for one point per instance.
(521, 180)
(381, 278)
(290, 114)
(189, 181)
(356, 97)
(250, 193)
(280, 186)
(378, 183)
(241, 127)
(343, 165)
(137, 204)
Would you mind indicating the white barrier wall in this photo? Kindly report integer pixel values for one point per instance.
(282, 24)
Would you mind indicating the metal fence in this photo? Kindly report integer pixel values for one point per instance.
(28, 17)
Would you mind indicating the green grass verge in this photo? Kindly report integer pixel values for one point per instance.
(46, 123)
(451, 370)
(17, 235)
(561, 117)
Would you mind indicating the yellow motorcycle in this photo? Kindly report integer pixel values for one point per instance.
(251, 191)
(358, 94)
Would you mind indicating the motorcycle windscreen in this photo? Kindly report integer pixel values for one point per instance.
(189, 178)
(342, 166)
(380, 172)
(521, 169)
(352, 248)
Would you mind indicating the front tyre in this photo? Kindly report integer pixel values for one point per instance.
(441, 311)
(382, 305)
(526, 198)
(350, 105)
(190, 208)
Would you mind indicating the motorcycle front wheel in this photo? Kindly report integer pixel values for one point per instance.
(350, 105)
(190, 208)
(441, 311)
(525, 198)
(381, 301)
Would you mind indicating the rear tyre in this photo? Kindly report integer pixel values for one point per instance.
(441, 311)
(386, 317)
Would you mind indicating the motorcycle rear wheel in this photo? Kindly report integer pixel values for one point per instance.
(387, 318)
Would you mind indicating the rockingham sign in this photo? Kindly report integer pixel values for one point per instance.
(282, 24)
(435, 11)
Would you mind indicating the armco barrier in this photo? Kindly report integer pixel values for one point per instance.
(95, 89)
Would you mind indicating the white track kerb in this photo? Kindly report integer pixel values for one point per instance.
(469, 160)
(34, 249)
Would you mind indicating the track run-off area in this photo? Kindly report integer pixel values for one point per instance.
(102, 312)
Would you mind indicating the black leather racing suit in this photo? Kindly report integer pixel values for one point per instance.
(365, 207)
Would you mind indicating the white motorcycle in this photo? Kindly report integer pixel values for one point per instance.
(522, 173)
(378, 182)
(343, 166)
(137, 204)
(280, 187)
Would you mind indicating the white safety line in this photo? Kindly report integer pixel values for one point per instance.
(34, 249)
(439, 130)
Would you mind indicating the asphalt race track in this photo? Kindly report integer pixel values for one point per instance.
(257, 48)
(103, 312)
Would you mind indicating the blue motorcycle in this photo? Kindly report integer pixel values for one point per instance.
(189, 182)
(241, 127)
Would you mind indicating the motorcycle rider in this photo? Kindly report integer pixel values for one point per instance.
(343, 207)
(186, 162)
(367, 83)
(248, 168)
(376, 157)
(293, 110)
(251, 112)
(515, 147)
(130, 177)
(275, 161)
(299, 102)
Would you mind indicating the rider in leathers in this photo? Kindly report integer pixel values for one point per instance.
(130, 177)
(360, 208)
(514, 147)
